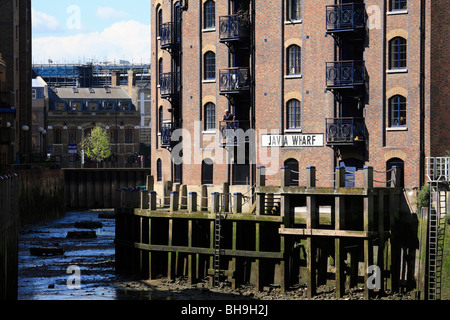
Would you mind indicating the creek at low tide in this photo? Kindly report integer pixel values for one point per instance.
(85, 271)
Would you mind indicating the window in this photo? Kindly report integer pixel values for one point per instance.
(92, 106)
(159, 170)
(293, 114)
(210, 116)
(128, 136)
(60, 106)
(397, 53)
(57, 136)
(160, 71)
(209, 14)
(398, 5)
(114, 136)
(397, 178)
(160, 118)
(159, 21)
(207, 171)
(33, 94)
(76, 106)
(109, 106)
(210, 66)
(72, 136)
(293, 10)
(397, 111)
(294, 60)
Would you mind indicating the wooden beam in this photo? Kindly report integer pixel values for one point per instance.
(326, 233)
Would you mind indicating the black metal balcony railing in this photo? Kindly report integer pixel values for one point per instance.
(233, 28)
(169, 84)
(345, 73)
(345, 131)
(166, 131)
(345, 17)
(233, 132)
(169, 34)
(234, 80)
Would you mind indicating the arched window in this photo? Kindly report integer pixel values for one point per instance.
(207, 171)
(397, 111)
(210, 116)
(294, 9)
(400, 165)
(397, 53)
(158, 170)
(210, 66)
(159, 20)
(209, 11)
(398, 5)
(160, 118)
(292, 164)
(293, 114)
(294, 60)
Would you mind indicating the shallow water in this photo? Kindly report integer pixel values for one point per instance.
(85, 271)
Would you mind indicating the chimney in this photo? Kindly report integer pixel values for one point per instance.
(131, 78)
(115, 79)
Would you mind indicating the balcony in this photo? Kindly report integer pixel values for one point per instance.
(345, 131)
(345, 74)
(233, 28)
(233, 132)
(234, 80)
(170, 35)
(169, 85)
(166, 131)
(345, 17)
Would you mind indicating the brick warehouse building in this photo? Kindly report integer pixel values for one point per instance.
(362, 83)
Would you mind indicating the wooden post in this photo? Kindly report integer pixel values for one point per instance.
(183, 197)
(191, 260)
(144, 200)
(368, 177)
(339, 255)
(152, 200)
(340, 177)
(237, 200)
(380, 253)
(260, 203)
(174, 201)
(192, 202)
(311, 223)
(368, 248)
(226, 197)
(204, 198)
(150, 183)
(232, 276)
(257, 268)
(311, 177)
(215, 202)
(170, 254)
(285, 177)
(260, 176)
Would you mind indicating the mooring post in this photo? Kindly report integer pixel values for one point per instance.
(380, 255)
(215, 202)
(152, 200)
(310, 176)
(260, 176)
(340, 177)
(204, 198)
(166, 193)
(260, 203)
(144, 200)
(174, 201)
(311, 223)
(368, 228)
(183, 197)
(226, 197)
(150, 183)
(285, 177)
(339, 257)
(237, 200)
(368, 177)
(395, 177)
(192, 202)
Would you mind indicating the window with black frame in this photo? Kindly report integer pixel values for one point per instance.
(397, 111)
(294, 59)
(293, 114)
(209, 21)
(397, 53)
(210, 66)
(398, 5)
(293, 9)
(210, 116)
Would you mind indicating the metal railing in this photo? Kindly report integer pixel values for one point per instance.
(345, 16)
(234, 80)
(345, 73)
(169, 84)
(166, 131)
(169, 34)
(438, 168)
(230, 133)
(233, 27)
(345, 130)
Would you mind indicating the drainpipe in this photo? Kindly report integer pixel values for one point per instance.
(422, 94)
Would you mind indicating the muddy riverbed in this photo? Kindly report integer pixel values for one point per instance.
(86, 271)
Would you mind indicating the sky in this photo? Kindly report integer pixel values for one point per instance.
(79, 31)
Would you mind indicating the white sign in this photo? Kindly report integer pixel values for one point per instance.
(292, 140)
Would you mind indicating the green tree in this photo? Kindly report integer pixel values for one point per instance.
(96, 145)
